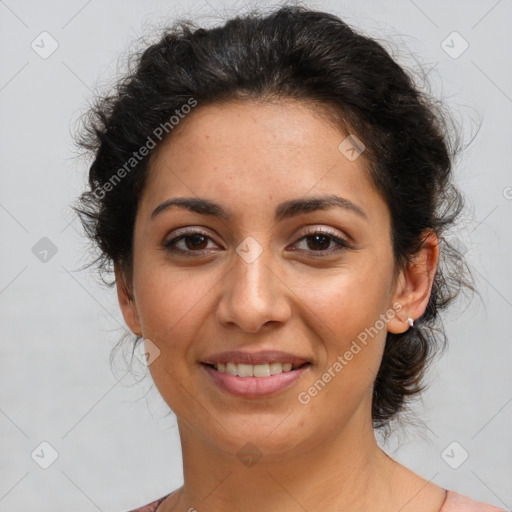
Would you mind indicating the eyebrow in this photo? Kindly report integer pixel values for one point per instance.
(284, 210)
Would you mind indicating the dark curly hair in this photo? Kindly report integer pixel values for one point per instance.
(292, 52)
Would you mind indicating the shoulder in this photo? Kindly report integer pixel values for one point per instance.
(150, 507)
(456, 502)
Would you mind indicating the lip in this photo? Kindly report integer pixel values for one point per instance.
(255, 386)
(260, 357)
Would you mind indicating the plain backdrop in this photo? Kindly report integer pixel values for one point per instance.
(109, 441)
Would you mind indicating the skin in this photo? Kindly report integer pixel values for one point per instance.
(249, 157)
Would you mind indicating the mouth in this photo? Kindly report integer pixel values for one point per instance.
(262, 370)
(255, 374)
(255, 381)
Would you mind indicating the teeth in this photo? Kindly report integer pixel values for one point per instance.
(231, 368)
(245, 370)
(253, 370)
(262, 370)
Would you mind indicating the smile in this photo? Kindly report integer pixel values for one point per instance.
(255, 370)
(246, 380)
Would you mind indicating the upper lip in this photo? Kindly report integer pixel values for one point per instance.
(261, 357)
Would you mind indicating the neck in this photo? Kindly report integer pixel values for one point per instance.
(347, 471)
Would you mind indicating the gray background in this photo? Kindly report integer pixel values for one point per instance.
(117, 446)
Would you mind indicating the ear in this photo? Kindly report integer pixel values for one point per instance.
(414, 285)
(127, 302)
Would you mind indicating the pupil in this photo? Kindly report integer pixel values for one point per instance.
(196, 240)
(316, 237)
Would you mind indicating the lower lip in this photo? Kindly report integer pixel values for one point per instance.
(255, 386)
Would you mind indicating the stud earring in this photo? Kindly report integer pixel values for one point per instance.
(410, 322)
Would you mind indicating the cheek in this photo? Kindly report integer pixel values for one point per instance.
(344, 310)
(345, 300)
(170, 300)
(172, 304)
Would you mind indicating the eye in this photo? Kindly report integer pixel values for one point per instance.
(319, 240)
(191, 241)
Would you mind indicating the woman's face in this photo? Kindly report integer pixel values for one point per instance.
(258, 279)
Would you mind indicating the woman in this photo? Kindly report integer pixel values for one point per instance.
(272, 196)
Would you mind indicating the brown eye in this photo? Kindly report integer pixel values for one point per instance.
(188, 242)
(318, 241)
(196, 241)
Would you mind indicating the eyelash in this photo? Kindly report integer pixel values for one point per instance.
(343, 245)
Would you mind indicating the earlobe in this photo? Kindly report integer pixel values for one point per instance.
(400, 324)
(400, 321)
(127, 302)
(415, 285)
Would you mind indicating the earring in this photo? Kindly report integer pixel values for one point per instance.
(410, 322)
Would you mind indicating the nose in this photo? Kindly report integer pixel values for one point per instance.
(253, 294)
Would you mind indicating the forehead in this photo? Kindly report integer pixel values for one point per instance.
(244, 152)
(285, 128)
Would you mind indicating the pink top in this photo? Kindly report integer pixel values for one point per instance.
(454, 502)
